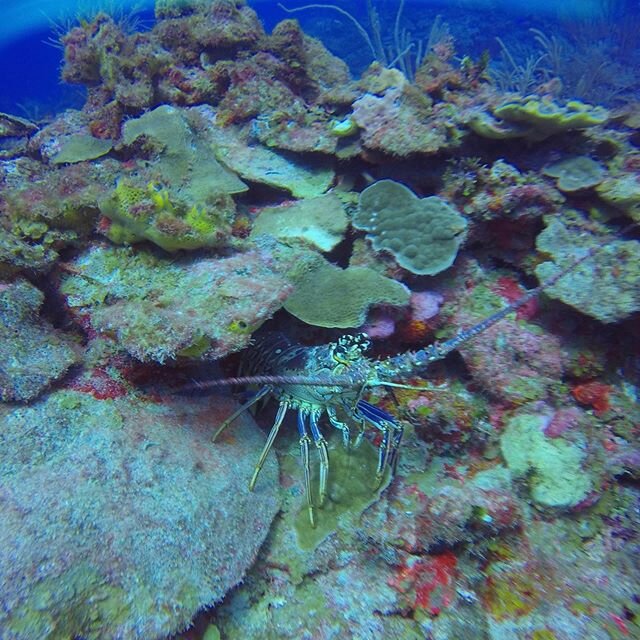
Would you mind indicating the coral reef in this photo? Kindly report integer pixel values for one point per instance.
(221, 180)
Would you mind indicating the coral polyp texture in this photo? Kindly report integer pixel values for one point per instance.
(236, 202)
(422, 234)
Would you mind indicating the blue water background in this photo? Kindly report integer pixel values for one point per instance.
(29, 78)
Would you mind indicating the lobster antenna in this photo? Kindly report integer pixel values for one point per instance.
(441, 349)
(397, 385)
(339, 381)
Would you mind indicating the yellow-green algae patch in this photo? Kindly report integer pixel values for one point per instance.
(351, 489)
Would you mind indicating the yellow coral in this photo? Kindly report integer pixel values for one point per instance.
(159, 196)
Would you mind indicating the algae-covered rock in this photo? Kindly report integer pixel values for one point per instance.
(320, 222)
(256, 163)
(46, 209)
(575, 174)
(13, 126)
(554, 467)
(160, 309)
(329, 296)
(32, 353)
(402, 121)
(622, 192)
(81, 147)
(120, 518)
(606, 286)
(422, 234)
(154, 213)
(182, 199)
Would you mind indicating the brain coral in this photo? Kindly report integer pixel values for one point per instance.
(423, 234)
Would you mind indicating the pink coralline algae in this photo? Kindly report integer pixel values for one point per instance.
(563, 419)
(449, 515)
(425, 304)
(515, 363)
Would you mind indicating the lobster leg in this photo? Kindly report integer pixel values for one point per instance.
(333, 419)
(249, 403)
(391, 436)
(282, 410)
(304, 454)
(323, 452)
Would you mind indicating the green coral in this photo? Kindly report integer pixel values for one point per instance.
(320, 222)
(329, 296)
(575, 174)
(623, 193)
(149, 214)
(422, 234)
(182, 199)
(258, 164)
(536, 119)
(82, 147)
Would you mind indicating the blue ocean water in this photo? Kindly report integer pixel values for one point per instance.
(603, 32)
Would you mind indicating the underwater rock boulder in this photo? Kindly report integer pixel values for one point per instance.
(120, 518)
(160, 309)
(32, 353)
(605, 286)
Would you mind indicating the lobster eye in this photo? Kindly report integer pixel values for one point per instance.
(349, 349)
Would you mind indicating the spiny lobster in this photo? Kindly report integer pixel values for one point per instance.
(341, 374)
